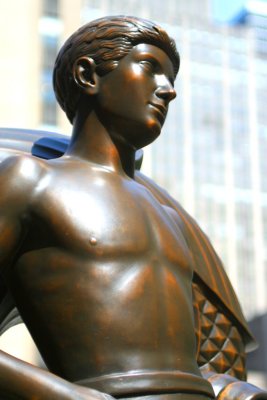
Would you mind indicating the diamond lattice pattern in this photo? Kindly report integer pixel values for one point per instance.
(220, 345)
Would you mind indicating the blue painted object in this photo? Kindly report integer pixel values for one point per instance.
(50, 147)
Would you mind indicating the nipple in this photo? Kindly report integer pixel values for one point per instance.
(93, 241)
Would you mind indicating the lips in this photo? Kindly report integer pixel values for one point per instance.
(159, 107)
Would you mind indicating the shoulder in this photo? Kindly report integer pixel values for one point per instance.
(20, 174)
(22, 166)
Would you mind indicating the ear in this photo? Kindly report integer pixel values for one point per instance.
(85, 75)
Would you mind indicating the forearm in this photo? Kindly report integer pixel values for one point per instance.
(21, 379)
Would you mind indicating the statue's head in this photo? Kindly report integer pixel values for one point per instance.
(106, 41)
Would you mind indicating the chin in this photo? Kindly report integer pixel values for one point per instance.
(148, 136)
(154, 128)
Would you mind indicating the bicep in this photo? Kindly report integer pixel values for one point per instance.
(15, 194)
(10, 236)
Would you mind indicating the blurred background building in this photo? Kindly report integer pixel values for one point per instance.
(212, 154)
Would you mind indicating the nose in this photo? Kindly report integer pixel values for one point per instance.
(165, 90)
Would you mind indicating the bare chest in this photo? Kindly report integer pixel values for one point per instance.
(110, 219)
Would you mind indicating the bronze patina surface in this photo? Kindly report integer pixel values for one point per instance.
(100, 263)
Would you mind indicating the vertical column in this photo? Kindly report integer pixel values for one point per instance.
(189, 201)
(19, 67)
(258, 243)
(33, 57)
(229, 166)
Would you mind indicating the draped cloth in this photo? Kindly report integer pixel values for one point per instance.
(208, 268)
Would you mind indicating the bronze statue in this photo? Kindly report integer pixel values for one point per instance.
(101, 264)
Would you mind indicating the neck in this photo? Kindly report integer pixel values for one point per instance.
(91, 141)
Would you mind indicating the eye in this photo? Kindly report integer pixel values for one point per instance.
(148, 65)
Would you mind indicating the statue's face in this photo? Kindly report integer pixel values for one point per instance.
(133, 98)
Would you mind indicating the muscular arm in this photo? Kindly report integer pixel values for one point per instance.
(16, 188)
(19, 177)
(20, 380)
